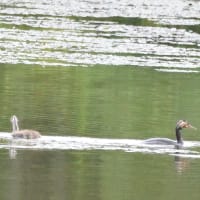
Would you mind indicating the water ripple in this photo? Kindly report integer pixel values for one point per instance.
(87, 33)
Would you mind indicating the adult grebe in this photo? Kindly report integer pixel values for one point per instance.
(26, 133)
(165, 141)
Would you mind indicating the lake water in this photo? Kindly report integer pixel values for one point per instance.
(96, 78)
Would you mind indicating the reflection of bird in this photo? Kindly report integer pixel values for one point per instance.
(179, 126)
(26, 133)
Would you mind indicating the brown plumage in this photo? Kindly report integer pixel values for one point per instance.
(26, 133)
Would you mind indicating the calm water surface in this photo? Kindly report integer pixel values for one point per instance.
(100, 69)
(97, 174)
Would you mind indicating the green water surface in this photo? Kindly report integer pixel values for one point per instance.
(104, 102)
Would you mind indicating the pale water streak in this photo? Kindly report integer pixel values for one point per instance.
(88, 143)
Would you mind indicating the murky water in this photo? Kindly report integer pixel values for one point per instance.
(89, 75)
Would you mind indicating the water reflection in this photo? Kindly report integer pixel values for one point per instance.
(90, 174)
(181, 164)
(12, 153)
(101, 33)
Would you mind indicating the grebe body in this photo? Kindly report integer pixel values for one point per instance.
(165, 141)
(23, 134)
(160, 141)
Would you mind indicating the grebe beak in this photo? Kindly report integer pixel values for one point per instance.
(190, 126)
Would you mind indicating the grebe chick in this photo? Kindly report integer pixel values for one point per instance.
(165, 141)
(26, 133)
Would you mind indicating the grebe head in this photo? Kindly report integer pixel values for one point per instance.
(179, 126)
(184, 124)
(14, 122)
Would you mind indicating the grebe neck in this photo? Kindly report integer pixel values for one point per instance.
(14, 121)
(178, 135)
